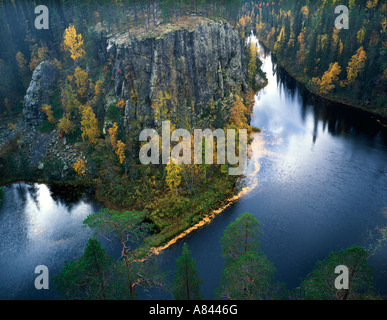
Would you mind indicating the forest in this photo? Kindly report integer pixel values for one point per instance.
(118, 67)
(30, 46)
(80, 113)
(248, 274)
(346, 65)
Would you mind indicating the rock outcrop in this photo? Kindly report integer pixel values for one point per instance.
(41, 87)
(184, 71)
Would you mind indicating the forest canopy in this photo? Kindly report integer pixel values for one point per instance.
(348, 65)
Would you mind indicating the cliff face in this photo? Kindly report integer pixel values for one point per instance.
(175, 76)
(38, 93)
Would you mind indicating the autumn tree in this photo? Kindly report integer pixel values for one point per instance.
(65, 125)
(49, 113)
(73, 43)
(89, 123)
(355, 65)
(173, 176)
(81, 81)
(120, 151)
(121, 104)
(113, 135)
(80, 167)
(328, 81)
(238, 114)
(252, 66)
(38, 55)
(280, 43)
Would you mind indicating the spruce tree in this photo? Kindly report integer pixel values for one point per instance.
(186, 285)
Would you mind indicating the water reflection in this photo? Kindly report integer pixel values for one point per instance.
(38, 227)
(339, 119)
(321, 185)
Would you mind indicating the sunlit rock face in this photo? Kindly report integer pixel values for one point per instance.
(41, 87)
(185, 69)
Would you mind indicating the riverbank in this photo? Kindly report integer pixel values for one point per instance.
(379, 117)
(256, 149)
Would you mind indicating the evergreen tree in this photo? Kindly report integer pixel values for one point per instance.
(88, 277)
(186, 285)
(128, 227)
(248, 274)
(320, 283)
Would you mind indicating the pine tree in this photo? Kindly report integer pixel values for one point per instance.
(88, 277)
(320, 283)
(186, 284)
(248, 274)
(124, 226)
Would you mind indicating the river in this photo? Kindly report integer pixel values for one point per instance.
(316, 181)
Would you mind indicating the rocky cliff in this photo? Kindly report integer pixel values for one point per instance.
(41, 87)
(176, 75)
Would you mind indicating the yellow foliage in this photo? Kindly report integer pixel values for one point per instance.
(120, 151)
(50, 115)
(12, 126)
(173, 177)
(38, 55)
(355, 65)
(73, 42)
(113, 135)
(121, 104)
(80, 167)
(238, 114)
(98, 87)
(90, 130)
(21, 62)
(328, 81)
(81, 80)
(65, 125)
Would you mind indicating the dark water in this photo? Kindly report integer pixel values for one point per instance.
(319, 183)
(41, 225)
(316, 181)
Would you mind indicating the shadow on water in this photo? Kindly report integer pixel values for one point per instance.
(337, 118)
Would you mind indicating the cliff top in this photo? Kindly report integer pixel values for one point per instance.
(188, 22)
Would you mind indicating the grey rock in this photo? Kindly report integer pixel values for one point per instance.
(38, 93)
(193, 66)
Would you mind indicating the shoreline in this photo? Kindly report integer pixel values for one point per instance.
(379, 118)
(258, 144)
